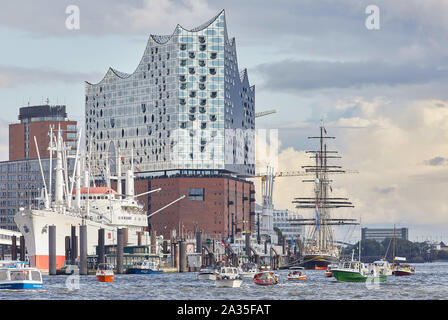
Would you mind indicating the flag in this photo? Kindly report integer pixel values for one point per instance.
(222, 243)
(317, 216)
(325, 131)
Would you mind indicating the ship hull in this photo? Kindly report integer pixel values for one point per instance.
(143, 271)
(34, 227)
(318, 262)
(353, 276)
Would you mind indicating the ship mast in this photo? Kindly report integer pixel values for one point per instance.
(321, 237)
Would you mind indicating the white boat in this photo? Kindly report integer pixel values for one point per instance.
(207, 274)
(228, 277)
(248, 270)
(16, 275)
(383, 266)
(74, 205)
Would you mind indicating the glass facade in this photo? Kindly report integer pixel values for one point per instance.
(186, 106)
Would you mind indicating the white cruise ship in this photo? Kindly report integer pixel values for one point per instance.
(96, 207)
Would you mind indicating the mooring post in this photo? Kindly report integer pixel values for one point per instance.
(101, 245)
(52, 250)
(73, 251)
(248, 244)
(67, 248)
(199, 242)
(22, 248)
(153, 241)
(182, 257)
(13, 248)
(83, 250)
(120, 240)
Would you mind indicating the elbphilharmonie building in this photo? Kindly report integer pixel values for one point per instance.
(187, 106)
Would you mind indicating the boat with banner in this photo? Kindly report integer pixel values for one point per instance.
(18, 275)
(320, 249)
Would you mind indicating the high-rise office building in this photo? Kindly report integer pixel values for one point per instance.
(380, 234)
(20, 177)
(186, 106)
(35, 121)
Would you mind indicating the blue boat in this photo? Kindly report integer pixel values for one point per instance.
(16, 275)
(144, 267)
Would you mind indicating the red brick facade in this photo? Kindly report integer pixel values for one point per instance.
(39, 129)
(213, 215)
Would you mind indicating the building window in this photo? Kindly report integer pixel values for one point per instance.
(196, 194)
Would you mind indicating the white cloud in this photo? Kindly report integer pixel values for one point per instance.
(396, 183)
(154, 13)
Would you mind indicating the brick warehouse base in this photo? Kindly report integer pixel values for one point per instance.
(210, 205)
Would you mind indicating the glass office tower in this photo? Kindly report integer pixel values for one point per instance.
(187, 106)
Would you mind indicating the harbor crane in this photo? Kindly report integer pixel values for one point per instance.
(264, 113)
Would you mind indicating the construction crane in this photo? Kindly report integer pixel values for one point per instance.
(264, 113)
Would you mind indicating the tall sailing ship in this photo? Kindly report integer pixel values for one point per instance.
(320, 249)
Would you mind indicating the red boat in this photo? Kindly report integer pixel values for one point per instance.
(399, 269)
(267, 278)
(402, 270)
(328, 274)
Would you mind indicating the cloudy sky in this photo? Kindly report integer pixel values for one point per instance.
(382, 93)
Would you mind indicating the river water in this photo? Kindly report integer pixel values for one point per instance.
(429, 282)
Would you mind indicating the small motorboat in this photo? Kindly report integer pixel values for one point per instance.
(248, 270)
(207, 274)
(16, 275)
(266, 278)
(145, 267)
(401, 269)
(105, 272)
(228, 277)
(297, 276)
(328, 272)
